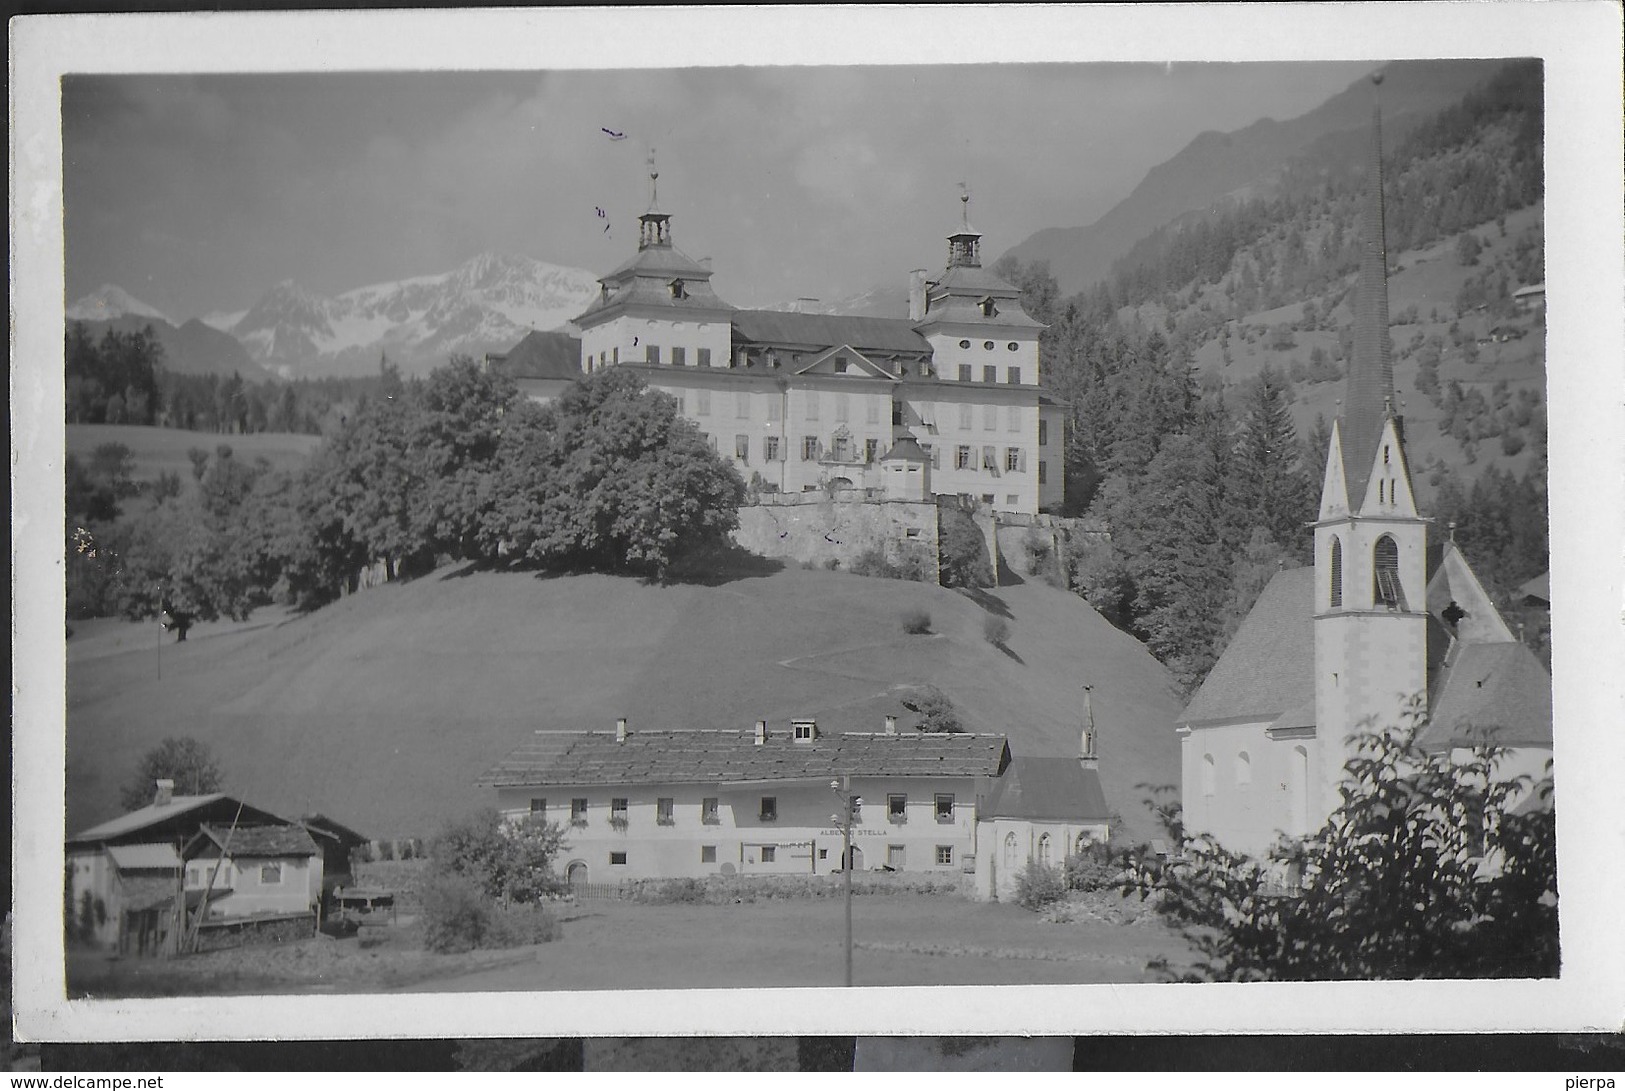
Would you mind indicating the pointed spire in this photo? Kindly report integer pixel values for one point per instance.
(654, 226)
(1371, 370)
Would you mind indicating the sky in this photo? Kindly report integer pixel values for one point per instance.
(198, 193)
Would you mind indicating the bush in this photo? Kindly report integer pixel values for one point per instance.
(1090, 870)
(1428, 869)
(910, 565)
(521, 926)
(963, 556)
(916, 622)
(1037, 885)
(456, 914)
(995, 630)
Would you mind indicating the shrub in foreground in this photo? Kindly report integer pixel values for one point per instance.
(459, 917)
(1429, 868)
(1037, 885)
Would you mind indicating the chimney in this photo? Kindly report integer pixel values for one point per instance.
(916, 295)
(165, 793)
(761, 732)
(891, 725)
(620, 729)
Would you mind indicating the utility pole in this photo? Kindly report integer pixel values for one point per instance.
(843, 789)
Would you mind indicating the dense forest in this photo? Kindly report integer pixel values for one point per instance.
(121, 379)
(1207, 487)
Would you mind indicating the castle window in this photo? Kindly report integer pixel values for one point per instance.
(945, 855)
(679, 356)
(617, 859)
(990, 373)
(1385, 574)
(990, 459)
(651, 354)
(578, 812)
(1043, 432)
(768, 810)
(1043, 472)
(1012, 346)
(1244, 770)
(703, 357)
(770, 449)
(708, 854)
(964, 344)
(678, 291)
(809, 448)
(962, 457)
(709, 812)
(988, 345)
(617, 354)
(1337, 572)
(1043, 851)
(1012, 459)
(664, 808)
(989, 310)
(871, 449)
(770, 854)
(538, 805)
(964, 373)
(742, 449)
(840, 365)
(1015, 376)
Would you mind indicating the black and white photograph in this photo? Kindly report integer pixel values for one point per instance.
(627, 526)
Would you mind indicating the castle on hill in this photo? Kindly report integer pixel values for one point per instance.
(801, 402)
(1384, 617)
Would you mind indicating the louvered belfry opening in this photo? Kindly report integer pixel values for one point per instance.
(1337, 572)
(1385, 574)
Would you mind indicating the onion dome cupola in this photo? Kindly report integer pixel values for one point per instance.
(659, 277)
(966, 293)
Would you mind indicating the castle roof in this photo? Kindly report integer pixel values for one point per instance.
(1269, 666)
(1047, 787)
(725, 756)
(550, 354)
(817, 331)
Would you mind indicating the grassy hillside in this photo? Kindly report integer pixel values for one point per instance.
(382, 709)
(159, 450)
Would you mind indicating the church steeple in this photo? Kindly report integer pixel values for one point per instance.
(1370, 397)
(965, 245)
(654, 226)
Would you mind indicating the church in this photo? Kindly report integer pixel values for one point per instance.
(1382, 618)
(801, 402)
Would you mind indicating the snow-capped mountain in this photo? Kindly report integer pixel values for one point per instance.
(486, 304)
(109, 302)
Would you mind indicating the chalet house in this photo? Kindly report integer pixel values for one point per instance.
(654, 804)
(258, 872)
(127, 871)
(810, 401)
(1382, 618)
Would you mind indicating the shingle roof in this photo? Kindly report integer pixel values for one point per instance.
(865, 334)
(263, 840)
(1495, 693)
(1038, 787)
(907, 448)
(730, 756)
(541, 355)
(180, 817)
(159, 857)
(1269, 667)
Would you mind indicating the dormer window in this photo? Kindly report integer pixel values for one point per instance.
(678, 291)
(840, 365)
(805, 730)
(989, 308)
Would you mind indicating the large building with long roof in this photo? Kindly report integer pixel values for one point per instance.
(1384, 618)
(802, 402)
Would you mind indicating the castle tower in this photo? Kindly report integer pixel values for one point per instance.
(658, 309)
(1370, 543)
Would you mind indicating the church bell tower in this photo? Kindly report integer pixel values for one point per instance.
(1370, 543)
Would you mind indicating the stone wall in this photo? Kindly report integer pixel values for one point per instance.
(810, 528)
